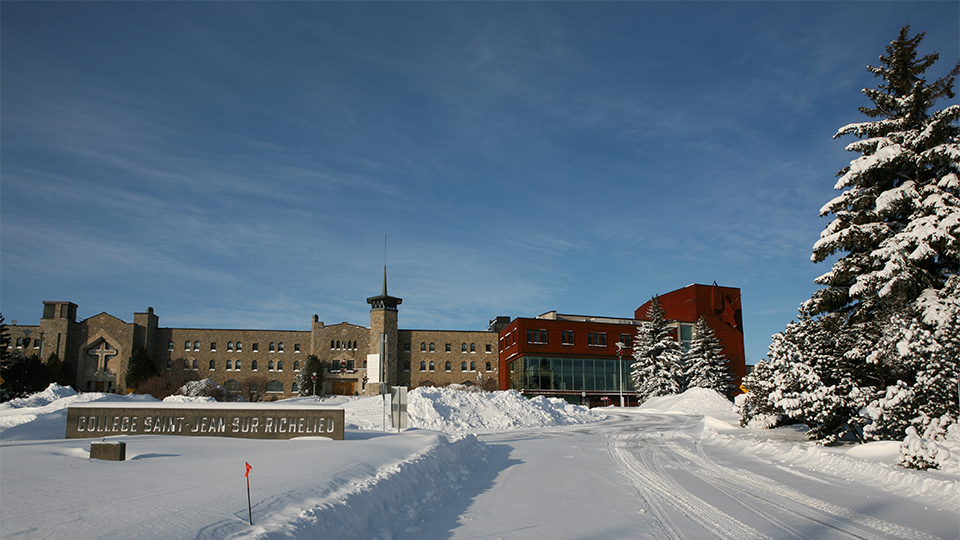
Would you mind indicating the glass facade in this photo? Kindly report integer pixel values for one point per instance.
(580, 374)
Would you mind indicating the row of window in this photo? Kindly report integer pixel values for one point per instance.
(25, 342)
(232, 365)
(231, 347)
(343, 345)
(447, 366)
(432, 347)
(542, 337)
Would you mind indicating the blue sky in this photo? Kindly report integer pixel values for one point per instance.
(237, 165)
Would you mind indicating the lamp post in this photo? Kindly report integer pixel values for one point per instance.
(315, 385)
(620, 347)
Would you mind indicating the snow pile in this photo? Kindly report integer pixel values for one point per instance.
(40, 399)
(188, 399)
(449, 409)
(693, 401)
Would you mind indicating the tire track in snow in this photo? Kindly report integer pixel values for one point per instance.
(654, 485)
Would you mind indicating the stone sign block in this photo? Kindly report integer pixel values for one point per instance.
(239, 420)
(109, 451)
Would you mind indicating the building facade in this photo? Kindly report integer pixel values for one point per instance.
(574, 357)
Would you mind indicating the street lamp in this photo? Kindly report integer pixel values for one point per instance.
(620, 347)
(315, 385)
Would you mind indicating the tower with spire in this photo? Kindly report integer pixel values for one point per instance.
(382, 359)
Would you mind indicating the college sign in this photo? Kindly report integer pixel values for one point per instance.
(242, 420)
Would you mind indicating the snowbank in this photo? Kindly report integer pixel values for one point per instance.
(693, 401)
(452, 410)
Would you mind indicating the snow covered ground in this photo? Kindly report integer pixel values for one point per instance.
(474, 465)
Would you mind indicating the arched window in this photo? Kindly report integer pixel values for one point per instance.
(279, 365)
(232, 385)
(295, 387)
(431, 365)
(488, 366)
(239, 347)
(423, 346)
(423, 366)
(196, 365)
(229, 365)
(236, 365)
(364, 364)
(463, 366)
(273, 347)
(253, 365)
(275, 386)
(186, 346)
(433, 348)
(463, 347)
(213, 365)
(270, 365)
(354, 344)
(473, 347)
(447, 366)
(196, 345)
(280, 347)
(473, 366)
(296, 366)
(186, 364)
(229, 346)
(169, 364)
(406, 365)
(331, 344)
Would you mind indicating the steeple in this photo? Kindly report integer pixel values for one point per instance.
(384, 301)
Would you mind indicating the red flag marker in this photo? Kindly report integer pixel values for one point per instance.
(249, 506)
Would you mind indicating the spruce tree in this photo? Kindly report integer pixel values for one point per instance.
(658, 367)
(707, 366)
(140, 368)
(305, 377)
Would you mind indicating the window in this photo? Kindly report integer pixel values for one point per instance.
(432, 368)
(447, 366)
(488, 366)
(256, 347)
(406, 347)
(489, 349)
(536, 336)
(169, 365)
(433, 348)
(229, 365)
(447, 347)
(232, 385)
(625, 339)
(272, 347)
(239, 347)
(170, 346)
(332, 344)
(566, 337)
(423, 366)
(463, 347)
(296, 366)
(213, 365)
(213, 346)
(406, 365)
(296, 347)
(196, 345)
(280, 347)
(597, 339)
(279, 365)
(270, 365)
(275, 387)
(253, 365)
(473, 366)
(186, 364)
(423, 346)
(186, 346)
(236, 365)
(463, 366)
(19, 342)
(229, 346)
(473, 347)
(294, 387)
(196, 365)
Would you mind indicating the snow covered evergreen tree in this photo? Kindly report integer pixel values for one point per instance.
(304, 377)
(868, 337)
(658, 368)
(706, 365)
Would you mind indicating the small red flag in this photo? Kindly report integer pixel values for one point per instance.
(247, 474)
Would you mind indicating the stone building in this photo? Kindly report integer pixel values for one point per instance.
(99, 347)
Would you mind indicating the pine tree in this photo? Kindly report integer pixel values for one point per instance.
(897, 219)
(60, 372)
(140, 368)
(707, 366)
(305, 377)
(658, 368)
